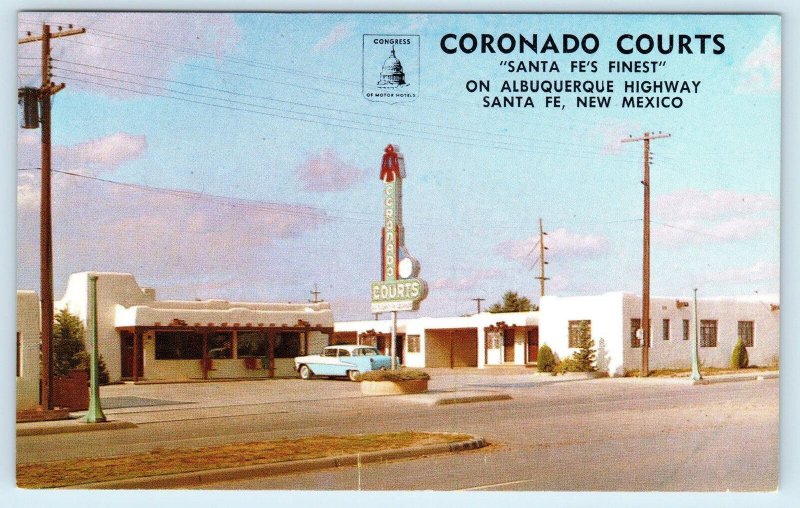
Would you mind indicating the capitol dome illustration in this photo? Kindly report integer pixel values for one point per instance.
(392, 74)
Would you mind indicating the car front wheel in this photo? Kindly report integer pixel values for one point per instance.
(353, 375)
(305, 372)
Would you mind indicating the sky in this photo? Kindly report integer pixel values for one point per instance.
(233, 156)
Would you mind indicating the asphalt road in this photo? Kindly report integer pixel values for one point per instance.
(605, 434)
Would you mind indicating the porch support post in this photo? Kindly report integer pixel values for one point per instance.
(137, 335)
(481, 347)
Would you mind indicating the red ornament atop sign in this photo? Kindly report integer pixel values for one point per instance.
(390, 167)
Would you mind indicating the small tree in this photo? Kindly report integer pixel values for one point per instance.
(546, 361)
(69, 346)
(739, 358)
(584, 357)
(513, 302)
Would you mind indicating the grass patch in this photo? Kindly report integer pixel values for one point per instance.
(182, 460)
(706, 371)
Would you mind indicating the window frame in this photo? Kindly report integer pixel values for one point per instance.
(751, 332)
(665, 329)
(706, 338)
(687, 327)
(573, 332)
(414, 343)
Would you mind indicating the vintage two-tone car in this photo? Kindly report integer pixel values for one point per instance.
(342, 360)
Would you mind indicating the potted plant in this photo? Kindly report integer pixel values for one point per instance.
(394, 382)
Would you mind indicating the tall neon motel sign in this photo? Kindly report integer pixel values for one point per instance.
(400, 289)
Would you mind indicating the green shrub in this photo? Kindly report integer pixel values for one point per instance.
(395, 375)
(69, 346)
(739, 359)
(546, 361)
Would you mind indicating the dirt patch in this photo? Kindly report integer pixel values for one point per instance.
(182, 460)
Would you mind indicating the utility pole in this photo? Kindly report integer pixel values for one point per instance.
(542, 262)
(478, 301)
(47, 90)
(316, 295)
(645, 370)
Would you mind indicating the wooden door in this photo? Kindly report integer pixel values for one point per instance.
(533, 345)
(508, 345)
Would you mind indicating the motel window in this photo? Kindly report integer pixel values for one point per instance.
(636, 323)
(287, 344)
(685, 329)
(220, 345)
(179, 346)
(413, 343)
(708, 333)
(665, 329)
(576, 328)
(251, 344)
(746, 333)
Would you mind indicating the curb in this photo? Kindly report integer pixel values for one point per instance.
(750, 377)
(196, 478)
(74, 427)
(471, 398)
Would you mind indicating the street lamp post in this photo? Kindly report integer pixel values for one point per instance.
(95, 413)
(696, 376)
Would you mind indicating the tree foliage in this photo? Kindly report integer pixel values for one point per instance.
(69, 346)
(546, 360)
(739, 357)
(584, 358)
(513, 302)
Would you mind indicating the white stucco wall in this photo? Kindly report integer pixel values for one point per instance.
(611, 315)
(28, 322)
(605, 314)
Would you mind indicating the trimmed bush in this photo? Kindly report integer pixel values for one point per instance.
(739, 359)
(395, 375)
(546, 361)
(69, 347)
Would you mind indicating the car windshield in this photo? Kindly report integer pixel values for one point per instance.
(366, 351)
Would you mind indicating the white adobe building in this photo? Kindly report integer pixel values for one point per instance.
(142, 338)
(612, 320)
(506, 338)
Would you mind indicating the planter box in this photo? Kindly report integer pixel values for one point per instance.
(394, 387)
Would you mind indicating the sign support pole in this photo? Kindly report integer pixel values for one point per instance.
(393, 346)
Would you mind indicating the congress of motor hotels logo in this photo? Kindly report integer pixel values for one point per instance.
(390, 70)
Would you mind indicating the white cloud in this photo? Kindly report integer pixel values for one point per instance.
(180, 235)
(697, 232)
(142, 43)
(559, 242)
(611, 133)
(762, 66)
(758, 272)
(337, 34)
(465, 283)
(107, 152)
(696, 204)
(326, 171)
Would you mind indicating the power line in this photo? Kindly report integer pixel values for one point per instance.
(306, 105)
(328, 121)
